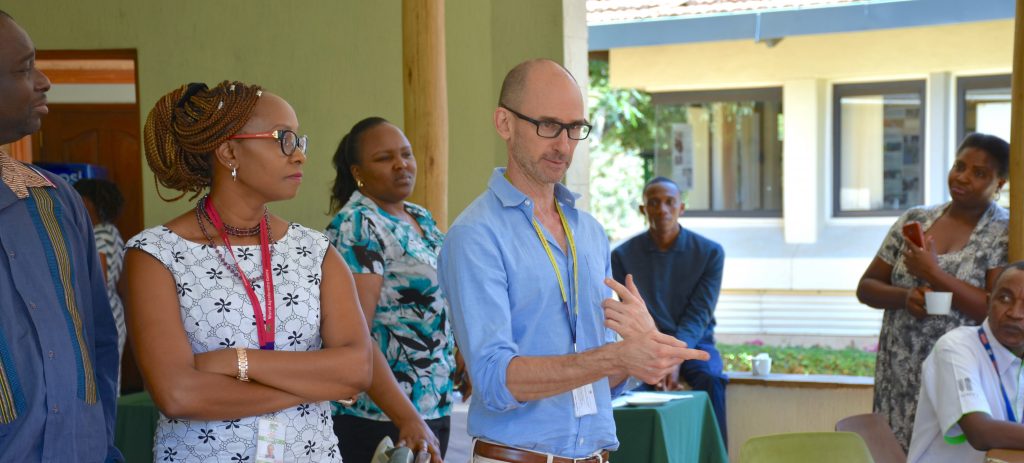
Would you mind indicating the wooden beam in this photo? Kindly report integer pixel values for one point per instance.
(425, 87)
(1017, 140)
(82, 71)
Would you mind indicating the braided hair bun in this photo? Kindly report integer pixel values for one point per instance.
(187, 125)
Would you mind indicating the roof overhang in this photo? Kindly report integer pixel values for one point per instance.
(764, 26)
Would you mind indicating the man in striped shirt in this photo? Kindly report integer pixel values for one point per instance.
(58, 343)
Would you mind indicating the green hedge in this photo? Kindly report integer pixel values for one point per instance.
(814, 360)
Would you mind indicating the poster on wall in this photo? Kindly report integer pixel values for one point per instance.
(682, 155)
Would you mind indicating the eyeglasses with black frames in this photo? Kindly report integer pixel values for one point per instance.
(289, 140)
(552, 129)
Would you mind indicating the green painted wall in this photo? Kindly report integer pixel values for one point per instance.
(484, 41)
(334, 61)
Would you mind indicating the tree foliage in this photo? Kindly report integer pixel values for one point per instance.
(622, 117)
(623, 122)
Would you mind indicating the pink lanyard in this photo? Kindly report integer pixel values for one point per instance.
(264, 325)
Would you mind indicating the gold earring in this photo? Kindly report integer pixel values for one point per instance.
(359, 183)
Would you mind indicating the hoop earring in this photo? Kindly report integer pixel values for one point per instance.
(234, 174)
(999, 194)
(359, 183)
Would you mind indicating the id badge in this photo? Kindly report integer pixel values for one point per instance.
(270, 441)
(583, 400)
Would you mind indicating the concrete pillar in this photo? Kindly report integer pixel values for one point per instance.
(803, 103)
(938, 154)
(574, 29)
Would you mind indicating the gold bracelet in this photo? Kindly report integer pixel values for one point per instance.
(347, 402)
(243, 365)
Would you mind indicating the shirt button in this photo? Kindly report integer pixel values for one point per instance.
(581, 441)
(10, 253)
(527, 203)
(52, 354)
(32, 304)
(56, 409)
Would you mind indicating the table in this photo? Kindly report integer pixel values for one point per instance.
(680, 431)
(136, 423)
(1004, 456)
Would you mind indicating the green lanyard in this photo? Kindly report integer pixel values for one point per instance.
(575, 311)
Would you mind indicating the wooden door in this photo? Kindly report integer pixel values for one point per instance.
(101, 134)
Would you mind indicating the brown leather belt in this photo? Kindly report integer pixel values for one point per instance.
(514, 455)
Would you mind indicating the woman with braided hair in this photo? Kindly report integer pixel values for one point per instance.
(238, 318)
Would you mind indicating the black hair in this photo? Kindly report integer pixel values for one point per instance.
(1019, 265)
(660, 179)
(997, 148)
(346, 156)
(104, 195)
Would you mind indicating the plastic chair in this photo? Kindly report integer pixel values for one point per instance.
(876, 432)
(833, 447)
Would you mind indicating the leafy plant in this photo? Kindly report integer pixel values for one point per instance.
(623, 122)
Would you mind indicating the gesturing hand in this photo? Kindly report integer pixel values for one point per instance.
(629, 317)
(651, 358)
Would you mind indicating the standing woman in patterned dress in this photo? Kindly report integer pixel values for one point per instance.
(391, 246)
(245, 325)
(964, 249)
(104, 201)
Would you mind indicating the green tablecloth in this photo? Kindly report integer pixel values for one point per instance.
(136, 423)
(680, 431)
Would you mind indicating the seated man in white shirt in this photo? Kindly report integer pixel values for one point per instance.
(970, 399)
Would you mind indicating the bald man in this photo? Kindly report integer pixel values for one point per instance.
(527, 277)
(58, 343)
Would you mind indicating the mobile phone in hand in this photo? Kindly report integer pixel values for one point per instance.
(912, 232)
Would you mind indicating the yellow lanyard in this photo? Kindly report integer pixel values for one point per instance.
(558, 273)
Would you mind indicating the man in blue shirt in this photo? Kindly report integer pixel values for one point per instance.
(58, 343)
(679, 274)
(524, 272)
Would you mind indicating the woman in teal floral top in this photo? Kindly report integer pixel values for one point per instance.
(391, 246)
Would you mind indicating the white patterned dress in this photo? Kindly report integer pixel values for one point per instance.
(216, 314)
(110, 245)
(905, 341)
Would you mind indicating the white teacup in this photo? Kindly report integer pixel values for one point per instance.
(938, 302)
(761, 364)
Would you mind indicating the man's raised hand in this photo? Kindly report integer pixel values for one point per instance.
(629, 317)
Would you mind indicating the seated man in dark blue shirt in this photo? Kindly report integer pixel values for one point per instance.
(679, 275)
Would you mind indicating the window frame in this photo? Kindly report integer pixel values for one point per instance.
(965, 84)
(839, 91)
(768, 94)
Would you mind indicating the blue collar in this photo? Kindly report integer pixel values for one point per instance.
(510, 196)
(677, 245)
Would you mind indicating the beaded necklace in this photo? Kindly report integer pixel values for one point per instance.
(202, 217)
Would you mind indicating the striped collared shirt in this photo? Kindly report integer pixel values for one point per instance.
(20, 177)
